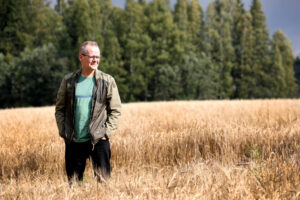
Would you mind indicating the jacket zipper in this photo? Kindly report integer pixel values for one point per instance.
(73, 105)
(95, 88)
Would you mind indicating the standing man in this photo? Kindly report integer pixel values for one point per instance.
(87, 112)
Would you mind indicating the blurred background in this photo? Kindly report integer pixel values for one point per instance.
(156, 50)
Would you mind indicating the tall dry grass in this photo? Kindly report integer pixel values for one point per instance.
(163, 150)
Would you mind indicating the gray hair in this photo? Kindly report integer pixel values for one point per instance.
(83, 46)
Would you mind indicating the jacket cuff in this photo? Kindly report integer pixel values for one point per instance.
(108, 133)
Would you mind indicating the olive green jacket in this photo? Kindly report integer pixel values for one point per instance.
(105, 112)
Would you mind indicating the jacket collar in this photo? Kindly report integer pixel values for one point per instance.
(97, 74)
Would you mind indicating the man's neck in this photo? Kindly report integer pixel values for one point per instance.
(88, 73)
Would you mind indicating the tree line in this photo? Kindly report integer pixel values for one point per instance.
(154, 52)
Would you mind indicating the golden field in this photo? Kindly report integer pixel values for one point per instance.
(163, 150)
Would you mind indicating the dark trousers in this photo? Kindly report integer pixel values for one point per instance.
(77, 153)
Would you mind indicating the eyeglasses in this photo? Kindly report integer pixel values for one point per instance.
(92, 57)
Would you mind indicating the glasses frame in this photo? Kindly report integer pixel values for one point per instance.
(92, 57)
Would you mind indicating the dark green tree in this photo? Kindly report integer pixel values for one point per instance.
(242, 41)
(111, 49)
(6, 68)
(181, 15)
(106, 17)
(167, 83)
(261, 53)
(297, 73)
(36, 76)
(95, 16)
(165, 51)
(136, 45)
(60, 6)
(219, 44)
(282, 67)
(276, 82)
(27, 23)
(195, 27)
(244, 76)
(79, 28)
(14, 26)
(49, 28)
(198, 77)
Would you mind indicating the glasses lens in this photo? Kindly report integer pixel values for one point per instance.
(92, 57)
(95, 57)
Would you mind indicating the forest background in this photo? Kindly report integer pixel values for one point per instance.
(154, 52)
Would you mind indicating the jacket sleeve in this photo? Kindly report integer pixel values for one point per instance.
(60, 108)
(113, 108)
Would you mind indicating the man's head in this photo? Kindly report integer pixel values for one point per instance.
(89, 55)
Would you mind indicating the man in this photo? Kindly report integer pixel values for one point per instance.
(87, 112)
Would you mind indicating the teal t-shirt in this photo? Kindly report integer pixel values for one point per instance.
(83, 106)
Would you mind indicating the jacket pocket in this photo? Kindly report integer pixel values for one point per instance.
(99, 132)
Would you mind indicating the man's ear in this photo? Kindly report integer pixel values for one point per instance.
(80, 56)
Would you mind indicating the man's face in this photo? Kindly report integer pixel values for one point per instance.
(90, 60)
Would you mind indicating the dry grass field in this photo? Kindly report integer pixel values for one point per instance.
(163, 150)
